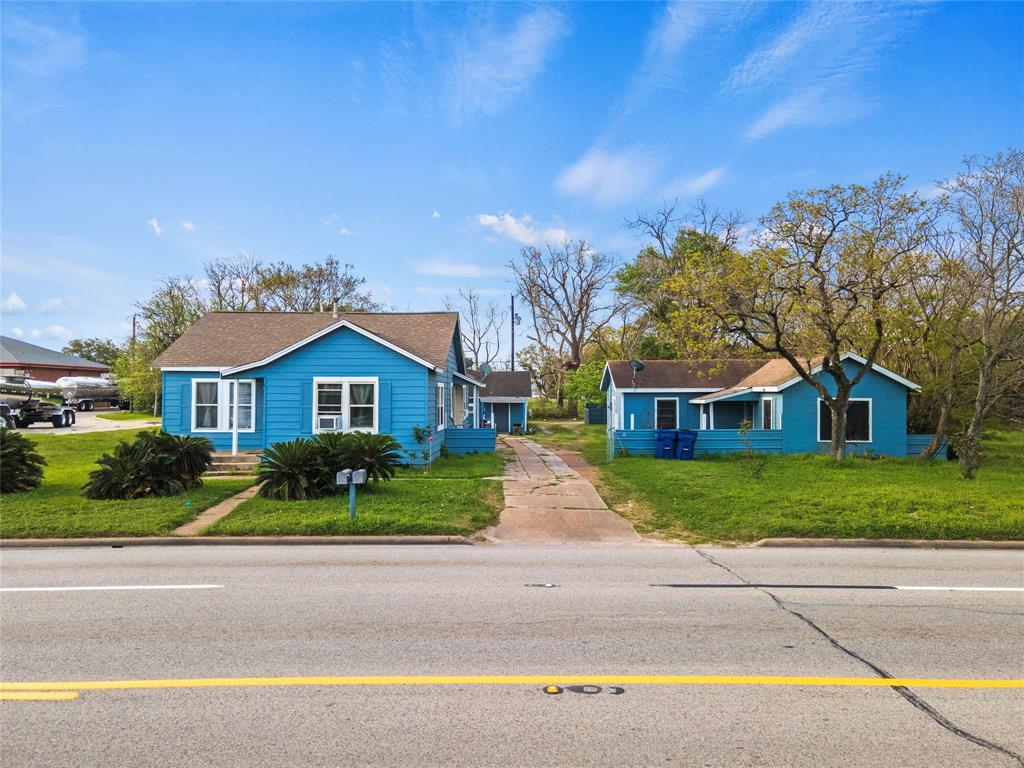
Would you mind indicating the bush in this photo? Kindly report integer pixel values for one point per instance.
(153, 464)
(379, 455)
(21, 467)
(293, 471)
(541, 408)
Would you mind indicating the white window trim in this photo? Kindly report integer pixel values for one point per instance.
(772, 402)
(224, 387)
(666, 400)
(345, 415)
(871, 421)
(439, 407)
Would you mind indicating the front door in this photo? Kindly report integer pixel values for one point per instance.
(501, 416)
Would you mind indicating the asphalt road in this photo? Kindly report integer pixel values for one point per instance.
(283, 612)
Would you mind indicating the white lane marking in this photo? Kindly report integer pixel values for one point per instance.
(966, 589)
(105, 589)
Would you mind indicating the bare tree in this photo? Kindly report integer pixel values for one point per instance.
(566, 289)
(234, 284)
(987, 202)
(483, 325)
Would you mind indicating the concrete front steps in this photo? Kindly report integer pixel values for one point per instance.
(226, 465)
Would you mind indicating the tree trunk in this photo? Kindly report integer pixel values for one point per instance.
(945, 409)
(969, 449)
(838, 407)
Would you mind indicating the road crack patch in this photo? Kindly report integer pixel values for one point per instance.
(903, 691)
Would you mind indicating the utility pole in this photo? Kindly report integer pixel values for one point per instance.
(134, 317)
(513, 324)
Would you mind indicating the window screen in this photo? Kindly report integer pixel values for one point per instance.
(858, 421)
(665, 417)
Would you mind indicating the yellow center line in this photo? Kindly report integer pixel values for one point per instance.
(38, 695)
(390, 680)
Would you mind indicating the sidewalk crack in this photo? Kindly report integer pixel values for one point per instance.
(903, 691)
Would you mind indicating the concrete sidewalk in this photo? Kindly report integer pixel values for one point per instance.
(546, 501)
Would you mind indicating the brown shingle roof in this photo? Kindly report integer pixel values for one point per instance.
(777, 371)
(227, 339)
(505, 383)
(682, 374)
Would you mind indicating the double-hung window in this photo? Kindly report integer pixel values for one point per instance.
(344, 405)
(213, 404)
(858, 421)
(439, 407)
(767, 413)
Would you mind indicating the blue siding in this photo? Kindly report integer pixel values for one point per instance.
(516, 412)
(177, 411)
(888, 414)
(917, 443)
(640, 408)
(461, 441)
(641, 442)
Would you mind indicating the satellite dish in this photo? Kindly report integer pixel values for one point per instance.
(485, 369)
(637, 366)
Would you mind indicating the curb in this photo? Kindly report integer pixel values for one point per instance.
(162, 541)
(891, 543)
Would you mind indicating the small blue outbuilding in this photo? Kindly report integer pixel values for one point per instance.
(246, 380)
(782, 411)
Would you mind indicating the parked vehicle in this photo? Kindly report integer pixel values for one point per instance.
(25, 401)
(84, 392)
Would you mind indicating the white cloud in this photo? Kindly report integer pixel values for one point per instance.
(188, 226)
(155, 226)
(435, 215)
(344, 231)
(608, 178)
(930, 191)
(16, 332)
(332, 219)
(522, 230)
(694, 185)
(821, 58)
(446, 268)
(13, 304)
(41, 51)
(51, 332)
(495, 64)
(53, 306)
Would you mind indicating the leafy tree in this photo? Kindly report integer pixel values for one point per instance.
(98, 350)
(136, 380)
(987, 204)
(829, 266)
(585, 384)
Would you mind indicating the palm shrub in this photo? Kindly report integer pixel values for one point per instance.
(292, 471)
(379, 455)
(186, 457)
(133, 470)
(21, 466)
(332, 449)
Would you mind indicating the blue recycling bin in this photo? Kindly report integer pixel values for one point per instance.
(665, 443)
(686, 439)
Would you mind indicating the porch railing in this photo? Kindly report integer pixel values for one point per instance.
(641, 442)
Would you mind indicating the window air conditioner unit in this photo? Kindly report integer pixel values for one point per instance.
(329, 424)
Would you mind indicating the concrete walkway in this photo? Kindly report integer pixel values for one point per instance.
(546, 501)
(216, 512)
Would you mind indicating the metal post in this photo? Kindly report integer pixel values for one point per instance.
(352, 501)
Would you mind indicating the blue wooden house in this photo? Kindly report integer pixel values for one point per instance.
(785, 413)
(246, 380)
(503, 404)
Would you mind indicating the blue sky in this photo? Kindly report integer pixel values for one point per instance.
(425, 144)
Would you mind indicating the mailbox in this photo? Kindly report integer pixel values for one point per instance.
(351, 478)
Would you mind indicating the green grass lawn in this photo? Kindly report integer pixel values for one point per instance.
(719, 499)
(451, 498)
(57, 509)
(127, 416)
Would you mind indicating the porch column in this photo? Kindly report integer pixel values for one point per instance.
(234, 420)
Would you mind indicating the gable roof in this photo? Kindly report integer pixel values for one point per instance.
(701, 375)
(505, 383)
(17, 352)
(232, 340)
